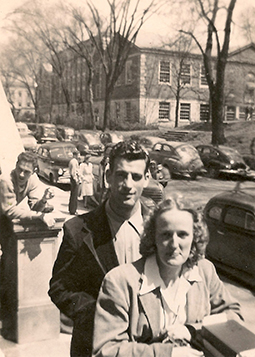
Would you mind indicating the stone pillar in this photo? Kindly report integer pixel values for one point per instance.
(29, 252)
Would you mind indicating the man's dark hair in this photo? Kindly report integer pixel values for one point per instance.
(129, 150)
(28, 156)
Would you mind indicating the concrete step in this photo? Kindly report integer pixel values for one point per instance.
(59, 347)
(174, 135)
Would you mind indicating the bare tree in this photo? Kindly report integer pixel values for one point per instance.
(208, 12)
(114, 38)
(40, 27)
(247, 24)
(22, 65)
(77, 41)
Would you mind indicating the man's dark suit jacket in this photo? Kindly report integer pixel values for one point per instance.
(86, 254)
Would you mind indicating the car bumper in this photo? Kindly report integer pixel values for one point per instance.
(249, 175)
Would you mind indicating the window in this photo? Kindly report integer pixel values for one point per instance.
(203, 81)
(128, 73)
(230, 113)
(185, 111)
(250, 221)
(164, 72)
(215, 213)
(128, 111)
(117, 110)
(242, 113)
(204, 112)
(186, 73)
(164, 110)
(235, 217)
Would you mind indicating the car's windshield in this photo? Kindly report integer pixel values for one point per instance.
(232, 154)
(187, 152)
(91, 139)
(49, 131)
(64, 152)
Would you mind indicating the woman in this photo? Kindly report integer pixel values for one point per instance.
(86, 188)
(155, 306)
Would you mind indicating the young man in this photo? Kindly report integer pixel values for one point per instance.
(21, 183)
(75, 181)
(96, 242)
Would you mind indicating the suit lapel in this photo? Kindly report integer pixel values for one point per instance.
(151, 303)
(100, 240)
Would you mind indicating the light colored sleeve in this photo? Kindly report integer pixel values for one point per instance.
(14, 210)
(112, 324)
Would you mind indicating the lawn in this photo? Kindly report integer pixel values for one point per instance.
(238, 134)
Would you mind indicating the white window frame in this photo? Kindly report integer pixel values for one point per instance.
(182, 109)
(164, 72)
(128, 73)
(160, 110)
(202, 77)
(189, 75)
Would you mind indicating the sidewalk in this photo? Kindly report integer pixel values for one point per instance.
(49, 348)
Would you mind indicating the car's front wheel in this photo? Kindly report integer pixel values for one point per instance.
(167, 173)
(212, 172)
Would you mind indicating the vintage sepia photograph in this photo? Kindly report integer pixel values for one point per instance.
(127, 178)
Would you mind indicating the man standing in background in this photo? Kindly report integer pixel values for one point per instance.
(75, 181)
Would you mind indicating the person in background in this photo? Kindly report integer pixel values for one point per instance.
(75, 182)
(86, 175)
(22, 183)
(156, 305)
(99, 240)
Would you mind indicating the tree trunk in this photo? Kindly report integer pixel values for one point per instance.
(218, 137)
(107, 107)
(177, 109)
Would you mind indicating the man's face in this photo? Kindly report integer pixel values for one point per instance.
(127, 181)
(24, 170)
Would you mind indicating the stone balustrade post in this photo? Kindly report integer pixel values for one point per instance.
(28, 255)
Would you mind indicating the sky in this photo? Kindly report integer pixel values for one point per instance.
(159, 25)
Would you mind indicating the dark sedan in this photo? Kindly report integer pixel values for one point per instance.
(53, 160)
(230, 217)
(181, 159)
(88, 142)
(222, 161)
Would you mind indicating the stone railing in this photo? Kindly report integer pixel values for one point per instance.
(28, 255)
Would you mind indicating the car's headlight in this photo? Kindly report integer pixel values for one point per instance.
(228, 166)
(60, 172)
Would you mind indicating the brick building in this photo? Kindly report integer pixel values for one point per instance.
(146, 91)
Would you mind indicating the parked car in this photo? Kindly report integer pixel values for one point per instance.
(88, 142)
(28, 140)
(230, 217)
(110, 137)
(53, 160)
(65, 133)
(181, 159)
(32, 127)
(149, 141)
(222, 161)
(153, 192)
(46, 133)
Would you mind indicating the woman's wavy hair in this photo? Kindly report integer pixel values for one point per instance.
(200, 230)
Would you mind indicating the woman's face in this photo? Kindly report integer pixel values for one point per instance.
(174, 236)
